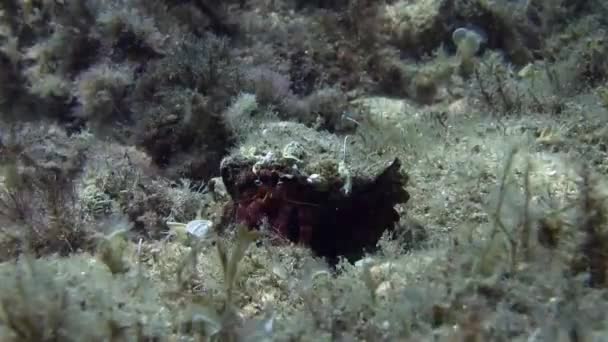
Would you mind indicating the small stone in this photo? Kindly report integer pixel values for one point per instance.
(199, 228)
(171, 118)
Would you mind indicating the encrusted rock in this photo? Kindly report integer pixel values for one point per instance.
(417, 25)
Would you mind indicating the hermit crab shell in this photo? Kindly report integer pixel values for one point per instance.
(278, 192)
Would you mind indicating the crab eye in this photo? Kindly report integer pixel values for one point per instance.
(257, 182)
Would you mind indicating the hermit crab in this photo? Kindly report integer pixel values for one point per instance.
(312, 210)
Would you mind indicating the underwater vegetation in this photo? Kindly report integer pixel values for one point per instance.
(286, 170)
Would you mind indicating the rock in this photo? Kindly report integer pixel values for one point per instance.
(199, 228)
(418, 26)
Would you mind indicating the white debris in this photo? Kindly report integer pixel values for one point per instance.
(199, 228)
